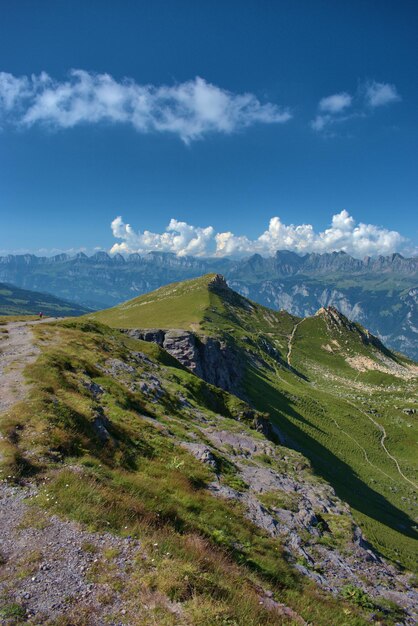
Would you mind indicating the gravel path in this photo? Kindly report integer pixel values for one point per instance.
(290, 343)
(47, 565)
(44, 561)
(16, 351)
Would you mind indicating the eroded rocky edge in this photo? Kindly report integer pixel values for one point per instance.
(212, 359)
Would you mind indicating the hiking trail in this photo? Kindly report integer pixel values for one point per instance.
(17, 349)
(289, 345)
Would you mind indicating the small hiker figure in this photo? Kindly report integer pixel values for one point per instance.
(41, 315)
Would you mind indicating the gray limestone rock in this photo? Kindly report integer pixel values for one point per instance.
(210, 358)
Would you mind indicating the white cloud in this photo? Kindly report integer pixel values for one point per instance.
(183, 239)
(12, 90)
(189, 110)
(330, 109)
(320, 122)
(342, 106)
(379, 94)
(179, 237)
(335, 103)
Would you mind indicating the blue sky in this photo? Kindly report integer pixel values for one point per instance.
(303, 111)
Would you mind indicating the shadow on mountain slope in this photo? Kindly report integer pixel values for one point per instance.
(347, 484)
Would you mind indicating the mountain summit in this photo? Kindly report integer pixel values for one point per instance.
(186, 305)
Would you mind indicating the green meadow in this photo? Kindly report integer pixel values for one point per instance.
(321, 404)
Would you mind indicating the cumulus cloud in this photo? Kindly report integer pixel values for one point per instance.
(330, 107)
(335, 103)
(190, 109)
(379, 94)
(180, 238)
(340, 107)
(320, 122)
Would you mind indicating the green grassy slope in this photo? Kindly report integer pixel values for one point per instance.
(179, 305)
(16, 301)
(336, 414)
(206, 555)
(340, 396)
(196, 304)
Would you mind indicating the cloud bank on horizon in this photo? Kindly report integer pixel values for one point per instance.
(180, 238)
(190, 109)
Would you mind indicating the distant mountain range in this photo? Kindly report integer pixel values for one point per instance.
(381, 293)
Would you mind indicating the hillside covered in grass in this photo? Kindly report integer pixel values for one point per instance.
(266, 498)
(16, 301)
(107, 438)
(179, 305)
(332, 390)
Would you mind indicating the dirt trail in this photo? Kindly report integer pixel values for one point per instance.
(382, 443)
(48, 565)
(379, 426)
(382, 430)
(361, 448)
(17, 350)
(345, 433)
(289, 349)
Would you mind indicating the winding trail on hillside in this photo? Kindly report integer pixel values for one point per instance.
(382, 442)
(361, 448)
(379, 426)
(382, 430)
(17, 349)
(366, 458)
(290, 344)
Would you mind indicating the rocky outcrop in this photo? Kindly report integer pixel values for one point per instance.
(340, 321)
(101, 425)
(333, 315)
(211, 359)
(315, 527)
(201, 452)
(218, 282)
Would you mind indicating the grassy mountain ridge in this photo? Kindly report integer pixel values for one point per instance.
(16, 301)
(380, 293)
(332, 390)
(178, 305)
(203, 303)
